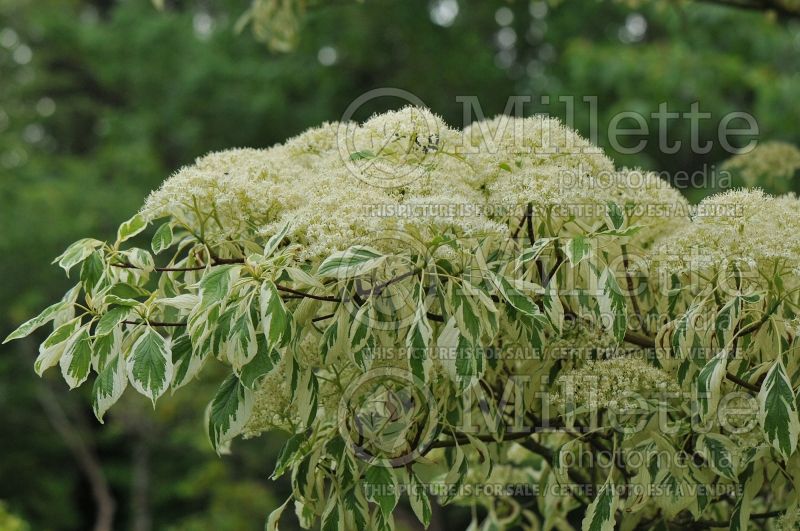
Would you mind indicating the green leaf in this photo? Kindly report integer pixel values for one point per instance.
(727, 319)
(708, 384)
(533, 252)
(778, 411)
(77, 359)
(465, 311)
(29, 326)
(275, 516)
(381, 488)
(601, 512)
(77, 253)
(362, 155)
(334, 339)
(125, 291)
(514, 297)
(150, 365)
(418, 499)
(356, 505)
(288, 454)
(91, 271)
(553, 309)
(627, 231)
(109, 386)
(360, 335)
(456, 475)
(187, 360)
(275, 240)
(52, 348)
(469, 362)
(265, 361)
(418, 341)
(615, 215)
(242, 344)
(307, 396)
(752, 478)
(355, 261)
(577, 250)
(104, 348)
(274, 318)
(330, 518)
(612, 305)
(111, 299)
(111, 319)
(215, 284)
(131, 228)
(718, 451)
(162, 239)
(229, 411)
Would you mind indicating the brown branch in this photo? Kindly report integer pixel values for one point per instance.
(216, 262)
(763, 6)
(305, 294)
(648, 342)
(322, 317)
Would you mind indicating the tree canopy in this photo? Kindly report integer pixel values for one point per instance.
(429, 311)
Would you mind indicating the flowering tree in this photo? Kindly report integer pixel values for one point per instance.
(493, 317)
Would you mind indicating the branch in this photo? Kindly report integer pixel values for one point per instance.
(763, 6)
(216, 262)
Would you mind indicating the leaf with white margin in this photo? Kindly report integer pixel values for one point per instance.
(778, 411)
(131, 228)
(275, 516)
(162, 239)
(707, 386)
(355, 261)
(612, 304)
(229, 411)
(417, 341)
(77, 253)
(187, 361)
(77, 359)
(601, 512)
(111, 319)
(577, 250)
(29, 326)
(150, 366)
(275, 240)
(533, 252)
(184, 302)
(109, 386)
(274, 319)
(52, 348)
(718, 451)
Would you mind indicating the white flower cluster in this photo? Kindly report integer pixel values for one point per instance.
(611, 382)
(770, 164)
(744, 227)
(342, 184)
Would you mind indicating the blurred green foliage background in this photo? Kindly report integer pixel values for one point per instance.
(101, 100)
